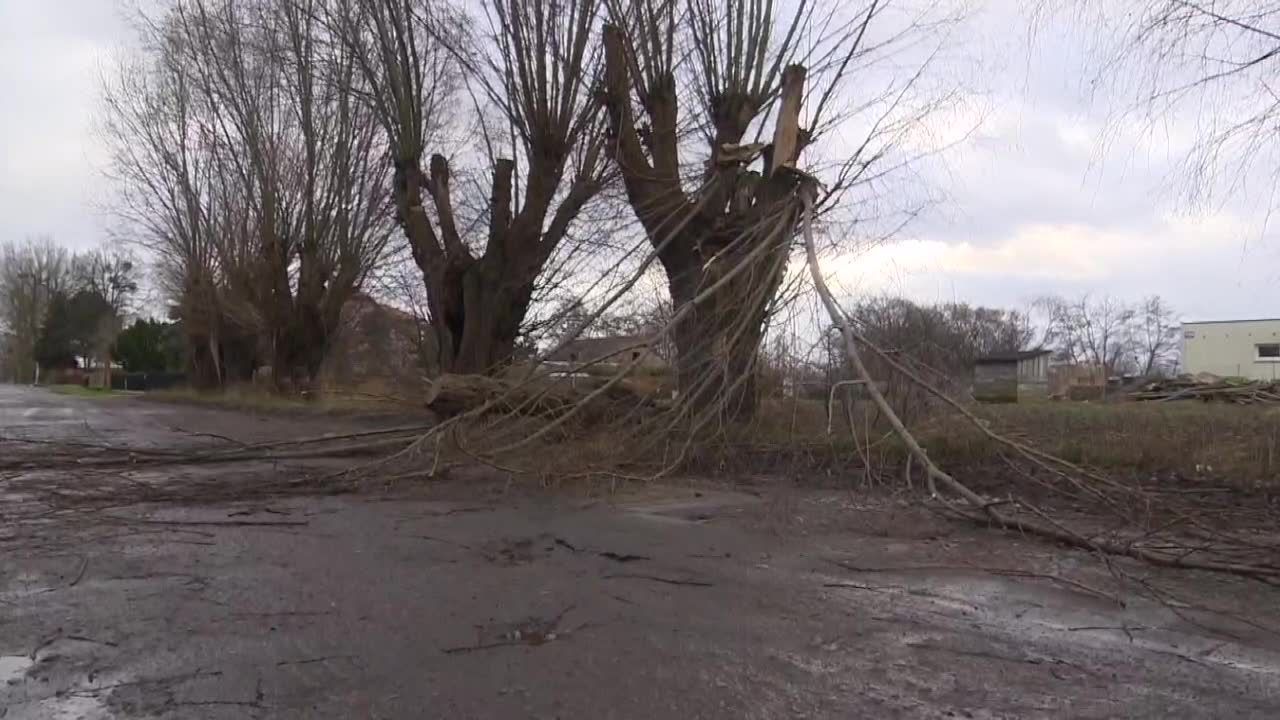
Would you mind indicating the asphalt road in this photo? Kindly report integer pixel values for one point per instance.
(30, 412)
(474, 599)
(129, 419)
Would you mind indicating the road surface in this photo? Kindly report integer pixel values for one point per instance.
(485, 600)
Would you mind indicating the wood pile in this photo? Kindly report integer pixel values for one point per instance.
(1210, 389)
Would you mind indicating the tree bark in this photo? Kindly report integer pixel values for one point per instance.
(478, 304)
(718, 341)
(721, 245)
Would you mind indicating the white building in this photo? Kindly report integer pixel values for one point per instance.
(1233, 348)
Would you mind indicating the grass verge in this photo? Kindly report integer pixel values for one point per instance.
(82, 391)
(255, 399)
(1237, 445)
(1234, 443)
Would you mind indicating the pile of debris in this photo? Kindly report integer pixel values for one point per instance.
(1210, 388)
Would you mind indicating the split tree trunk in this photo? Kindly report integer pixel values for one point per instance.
(495, 301)
(479, 303)
(736, 231)
(718, 342)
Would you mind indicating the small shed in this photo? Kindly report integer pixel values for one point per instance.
(1011, 376)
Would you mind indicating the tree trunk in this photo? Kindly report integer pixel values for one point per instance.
(489, 317)
(718, 340)
(478, 304)
(238, 355)
(313, 345)
(737, 226)
(714, 372)
(298, 349)
(204, 370)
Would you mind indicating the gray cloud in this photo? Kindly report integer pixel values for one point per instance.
(1057, 192)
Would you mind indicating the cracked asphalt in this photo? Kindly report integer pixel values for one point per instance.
(477, 598)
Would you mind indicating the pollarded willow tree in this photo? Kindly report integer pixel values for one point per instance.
(248, 164)
(171, 197)
(517, 80)
(160, 179)
(712, 107)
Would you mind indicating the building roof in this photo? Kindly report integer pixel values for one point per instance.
(1221, 322)
(1004, 357)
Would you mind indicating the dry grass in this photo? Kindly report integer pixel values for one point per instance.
(1225, 443)
(257, 399)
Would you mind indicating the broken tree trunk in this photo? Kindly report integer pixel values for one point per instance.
(739, 215)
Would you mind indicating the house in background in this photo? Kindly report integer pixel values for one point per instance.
(1011, 376)
(609, 351)
(379, 349)
(1232, 348)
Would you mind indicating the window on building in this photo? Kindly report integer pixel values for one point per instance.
(1269, 351)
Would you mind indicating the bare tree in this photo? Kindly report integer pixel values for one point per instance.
(166, 188)
(700, 92)
(1155, 335)
(247, 136)
(947, 338)
(1090, 330)
(304, 156)
(529, 64)
(111, 272)
(32, 273)
(940, 342)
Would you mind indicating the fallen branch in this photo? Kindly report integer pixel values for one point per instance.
(979, 510)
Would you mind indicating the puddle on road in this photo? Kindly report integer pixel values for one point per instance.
(13, 667)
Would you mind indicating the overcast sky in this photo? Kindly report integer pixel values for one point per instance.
(1035, 202)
